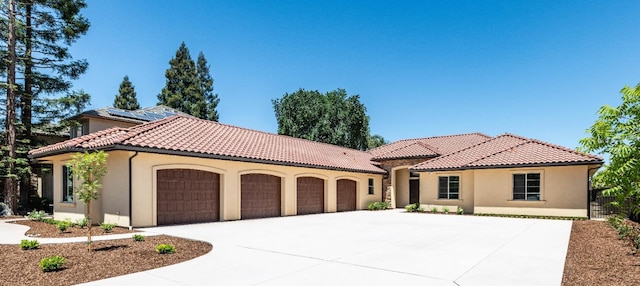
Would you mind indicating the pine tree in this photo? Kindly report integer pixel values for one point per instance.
(45, 30)
(126, 97)
(182, 90)
(189, 88)
(206, 86)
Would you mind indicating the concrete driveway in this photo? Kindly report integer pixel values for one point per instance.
(368, 248)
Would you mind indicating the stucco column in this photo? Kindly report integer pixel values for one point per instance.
(289, 196)
(332, 195)
(230, 195)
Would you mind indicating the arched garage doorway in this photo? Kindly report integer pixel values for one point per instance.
(346, 195)
(260, 196)
(187, 196)
(310, 195)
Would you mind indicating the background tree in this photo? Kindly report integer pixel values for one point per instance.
(333, 117)
(206, 87)
(126, 97)
(617, 133)
(44, 31)
(189, 88)
(89, 168)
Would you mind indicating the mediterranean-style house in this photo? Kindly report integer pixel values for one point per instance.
(181, 169)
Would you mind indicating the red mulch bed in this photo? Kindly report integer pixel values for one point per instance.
(597, 257)
(109, 258)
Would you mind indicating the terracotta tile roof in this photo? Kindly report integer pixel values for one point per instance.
(196, 137)
(427, 147)
(505, 151)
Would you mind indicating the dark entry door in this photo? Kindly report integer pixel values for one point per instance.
(414, 191)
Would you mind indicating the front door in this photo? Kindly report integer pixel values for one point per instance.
(414, 191)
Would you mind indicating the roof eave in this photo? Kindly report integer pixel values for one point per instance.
(554, 164)
(199, 155)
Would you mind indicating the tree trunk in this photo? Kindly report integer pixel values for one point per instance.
(26, 100)
(89, 248)
(10, 180)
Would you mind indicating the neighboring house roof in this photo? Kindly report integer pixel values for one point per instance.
(138, 116)
(189, 136)
(507, 150)
(428, 147)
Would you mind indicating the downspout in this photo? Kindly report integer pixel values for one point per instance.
(130, 187)
(589, 189)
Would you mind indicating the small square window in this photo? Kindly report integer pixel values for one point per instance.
(526, 187)
(449, 187)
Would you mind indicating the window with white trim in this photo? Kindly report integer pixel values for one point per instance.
(67, 184)
(449, 187)
(526, 187)
(371, 187)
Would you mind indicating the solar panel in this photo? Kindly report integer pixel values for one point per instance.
(140, 115)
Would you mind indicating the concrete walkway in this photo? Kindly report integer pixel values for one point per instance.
(368, 248)
(11, 233)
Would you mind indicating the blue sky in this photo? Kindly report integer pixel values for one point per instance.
(539, 69)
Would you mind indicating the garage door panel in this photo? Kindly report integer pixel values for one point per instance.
(260, 196)
(187, 196)
(346, 193)
(310, 195)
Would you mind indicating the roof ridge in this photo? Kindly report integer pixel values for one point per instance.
(464, 149)
(139, 129)
(442, 136)
(428, 146)
(512, 147)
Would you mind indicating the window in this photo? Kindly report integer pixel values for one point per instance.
(371, 188)
(67, 184)
(526, 187)
(449, 187)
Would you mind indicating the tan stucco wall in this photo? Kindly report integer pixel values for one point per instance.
(112, 205)
(401, 185)
(145, 166)
(564, 191)
(429, 191)
(97, 124)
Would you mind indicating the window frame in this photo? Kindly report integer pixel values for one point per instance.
(449, 194)
(529, 186)
(372, 189)
(67, 185)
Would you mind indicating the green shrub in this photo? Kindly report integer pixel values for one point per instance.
(411, 207)
(62, 226)
(36, 215)
(623, 230)
(446, 210)
(52, 263)
(138, 237)
(165, 249)
(434, 210)
(615, 221)
(29, 244)
(378, 206)
(420, 210)
(107, 227)
(81, 223)
(460, 211)
(49, 221)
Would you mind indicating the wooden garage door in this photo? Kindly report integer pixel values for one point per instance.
(346, 195)
(310, 197)
(187, 196)
(260, 196)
